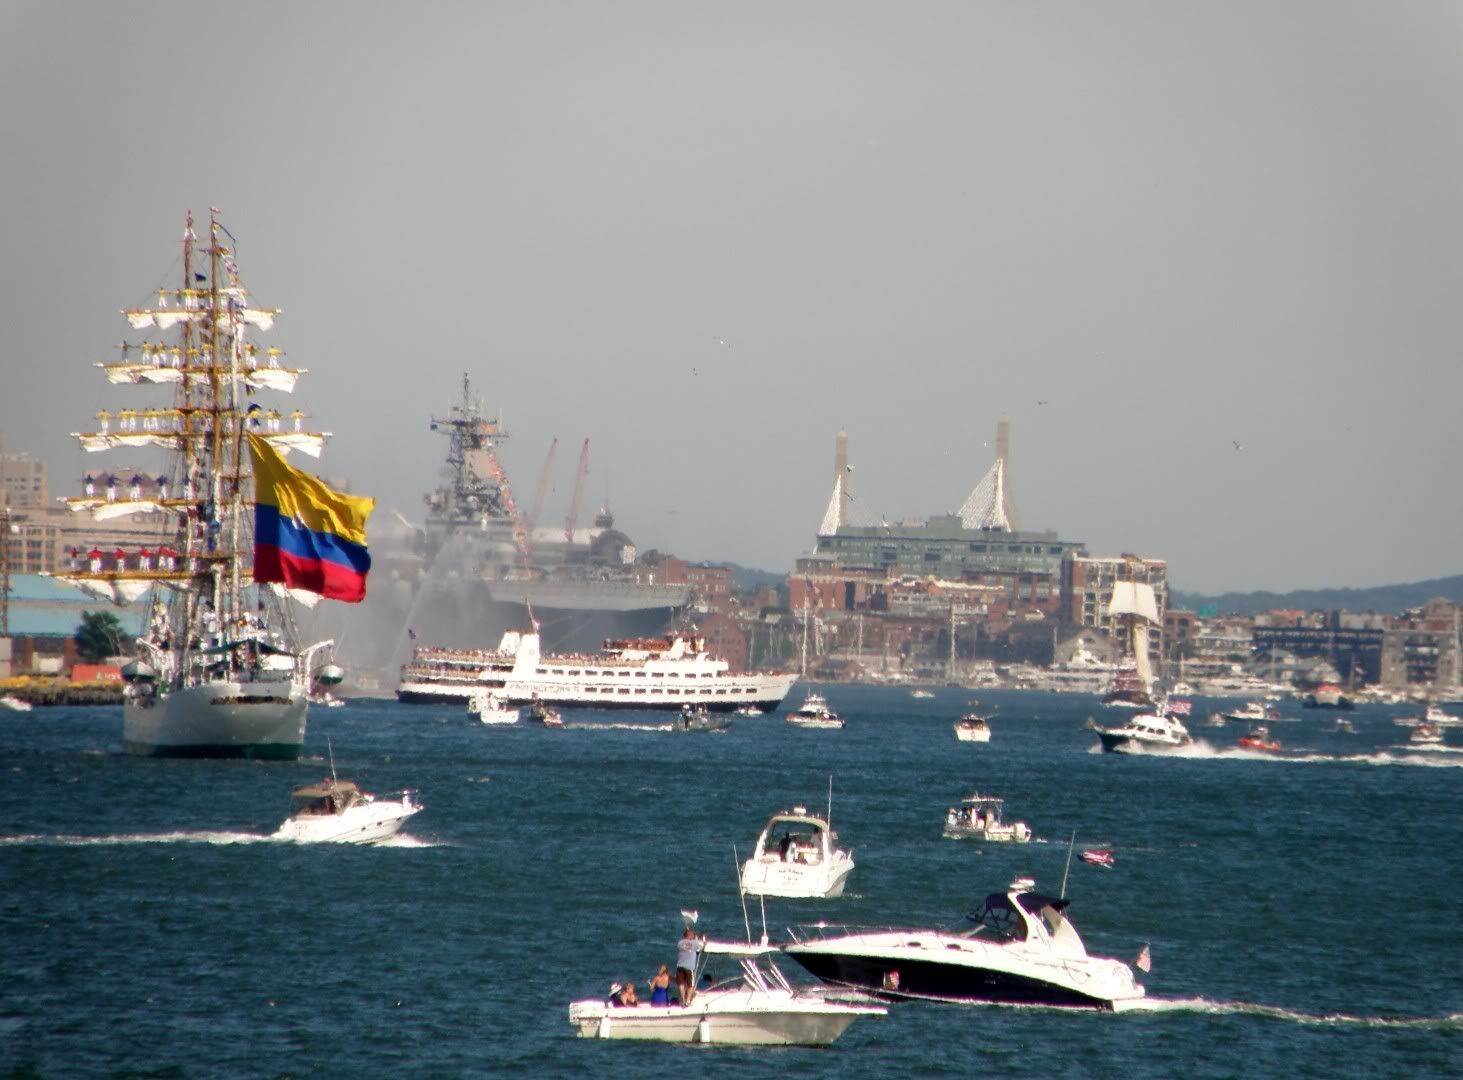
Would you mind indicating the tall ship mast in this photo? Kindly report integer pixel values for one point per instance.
(244, 534)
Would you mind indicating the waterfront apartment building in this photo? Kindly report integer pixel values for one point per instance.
(1088, 587)
(22, 481)
(1025, 567)
(1421, 650)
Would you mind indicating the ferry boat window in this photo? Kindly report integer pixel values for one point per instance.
(674, 690)
(640, 674)
(571, 671)
(624, 689)
(657, 674)
(639, 689)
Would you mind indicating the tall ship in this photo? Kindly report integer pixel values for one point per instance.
(487, 562)
(647, 673)
(243, 535)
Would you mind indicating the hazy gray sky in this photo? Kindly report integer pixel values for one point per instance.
(1180, 225)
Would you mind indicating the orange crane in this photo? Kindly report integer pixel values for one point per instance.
(543, 485)
(578, 493)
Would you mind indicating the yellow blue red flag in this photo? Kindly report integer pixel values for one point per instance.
(307, 535)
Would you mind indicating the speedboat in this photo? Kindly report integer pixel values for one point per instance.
(972, 728)
(546, 715)
(1259, 738)
(815, 713)
(796, 856)
(1022, 949)
(10, 701)
(489, 708)
(1425, 735)
(747, 710)
(1253, 712)
(1152, 731)
(699, 718)
(756, 1007)
(1345, 726)
(338, 811)
(978, 817)
(921, 693)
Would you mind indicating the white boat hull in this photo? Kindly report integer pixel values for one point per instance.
(734, 1018)
(965, 734)
(365, 823)
(224, 719)
(771, 876)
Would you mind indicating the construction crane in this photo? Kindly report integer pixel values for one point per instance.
(578, 493)
(543, 485)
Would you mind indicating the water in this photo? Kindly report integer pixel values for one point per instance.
(1302, 911)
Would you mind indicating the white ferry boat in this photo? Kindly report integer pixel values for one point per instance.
(642, 673)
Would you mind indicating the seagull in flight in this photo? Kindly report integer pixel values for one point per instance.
(723, 342)
(1043, 402)
(1236, 444)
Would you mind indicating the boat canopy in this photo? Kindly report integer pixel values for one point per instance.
(326, 788)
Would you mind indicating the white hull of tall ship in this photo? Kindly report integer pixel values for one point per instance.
(663, 674)
(229, 718)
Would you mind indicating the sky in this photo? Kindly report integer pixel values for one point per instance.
(1208, 258)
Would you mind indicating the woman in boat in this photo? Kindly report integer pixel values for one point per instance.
(660, 986)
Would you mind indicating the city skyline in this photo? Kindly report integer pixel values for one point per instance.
(1204, 259)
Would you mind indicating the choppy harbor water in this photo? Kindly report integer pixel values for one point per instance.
(1303, 911)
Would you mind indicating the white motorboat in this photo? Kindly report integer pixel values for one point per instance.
(756, 1007)
(1345, 726)
(339, 812)
(747, 710)
(1425, 734)
(546, 715)
(978, 817)
(1021, 950)
(1151, 731)
(489, 708)
(815, 713)
(15, 704)
(973, 728)
(797, 856)
(1433, 716)
(922, 693)
(1253, 712)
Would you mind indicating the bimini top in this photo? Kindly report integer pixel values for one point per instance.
(798, 815)
(326, 788)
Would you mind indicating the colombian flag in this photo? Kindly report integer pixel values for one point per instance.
(306, 534)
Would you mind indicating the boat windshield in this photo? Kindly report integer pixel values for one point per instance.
(997, 921)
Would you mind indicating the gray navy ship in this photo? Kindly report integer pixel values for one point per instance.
(489, 568)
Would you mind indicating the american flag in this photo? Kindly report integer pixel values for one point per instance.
(1145, 959)
(1099, 857)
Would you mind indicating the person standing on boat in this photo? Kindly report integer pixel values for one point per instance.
(660, 986)
(688, 952)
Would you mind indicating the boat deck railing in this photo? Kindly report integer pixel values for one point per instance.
(805, 932)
